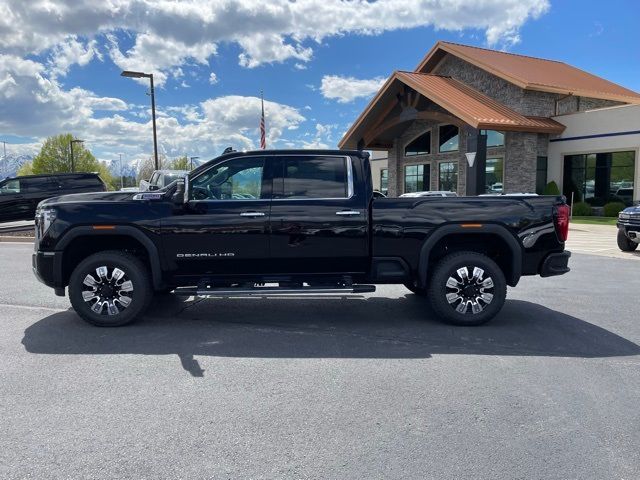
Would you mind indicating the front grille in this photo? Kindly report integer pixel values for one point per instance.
(632, 221)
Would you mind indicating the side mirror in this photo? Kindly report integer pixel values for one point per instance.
(179, 195)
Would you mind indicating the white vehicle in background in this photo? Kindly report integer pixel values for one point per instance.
(160, 179)
(433, 193)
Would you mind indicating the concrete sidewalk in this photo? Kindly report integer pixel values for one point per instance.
(597, 240)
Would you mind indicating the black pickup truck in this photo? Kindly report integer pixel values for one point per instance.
(292, 222)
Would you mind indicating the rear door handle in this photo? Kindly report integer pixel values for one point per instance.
(348, 212)
(252, 214)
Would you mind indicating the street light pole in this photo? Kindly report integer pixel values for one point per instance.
(121, 175)
(71, 144)
(192, 159)
(130, 74)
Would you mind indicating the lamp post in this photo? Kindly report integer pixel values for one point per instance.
(191, 159)
(129, 74)
(121, 175)
(73, 169)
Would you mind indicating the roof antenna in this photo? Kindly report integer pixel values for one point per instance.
(228, 150)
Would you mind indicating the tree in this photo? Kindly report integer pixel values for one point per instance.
(55, 156)
(146, 169)
(180, 163)
(26, 169)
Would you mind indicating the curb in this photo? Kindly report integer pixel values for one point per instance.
(16, 239)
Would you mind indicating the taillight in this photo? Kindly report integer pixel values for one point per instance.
(562, 222)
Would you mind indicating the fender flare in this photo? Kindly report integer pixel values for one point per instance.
(122, 230)
(512, 243)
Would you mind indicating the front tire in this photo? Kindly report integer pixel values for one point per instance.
(110, 289)
(467, 288)
(624, 243)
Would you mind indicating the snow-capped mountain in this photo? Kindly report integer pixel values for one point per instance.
(10, 164)
(129, 169)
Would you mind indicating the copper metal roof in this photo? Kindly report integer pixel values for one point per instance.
(473, 107)
(462, 101)
(532, 73)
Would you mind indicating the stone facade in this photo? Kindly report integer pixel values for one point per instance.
(521, 149)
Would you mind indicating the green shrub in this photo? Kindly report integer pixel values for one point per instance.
(612, 209)
(551, 189)
(581, 209)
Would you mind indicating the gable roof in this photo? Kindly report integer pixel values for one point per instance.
(471, 106)
(531, 73)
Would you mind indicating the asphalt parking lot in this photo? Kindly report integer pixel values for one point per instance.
(357, 387)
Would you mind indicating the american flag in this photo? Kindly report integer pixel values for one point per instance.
(263, 140)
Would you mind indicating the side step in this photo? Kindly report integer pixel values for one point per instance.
(271, 291)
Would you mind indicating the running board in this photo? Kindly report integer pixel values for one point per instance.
(271, 291)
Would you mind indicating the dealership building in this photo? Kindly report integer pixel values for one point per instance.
(473, 120)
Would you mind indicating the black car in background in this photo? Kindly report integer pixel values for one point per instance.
(20, 196)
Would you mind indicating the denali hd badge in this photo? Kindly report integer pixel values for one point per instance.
(204, 255)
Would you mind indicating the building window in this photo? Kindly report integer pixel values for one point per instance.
(419, 146)
(448, 176)
(494, 138)
(384, 180)
(448, 138)
(494, 175)
(416, 178)
(541, 175)
(599, 178)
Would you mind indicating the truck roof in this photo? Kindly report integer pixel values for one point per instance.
(299, 151)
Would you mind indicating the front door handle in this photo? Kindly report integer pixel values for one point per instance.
(252, 214)
(348, 212)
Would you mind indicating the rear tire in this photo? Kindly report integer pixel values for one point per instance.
(110, 288)
(467, 288)
(624, 243)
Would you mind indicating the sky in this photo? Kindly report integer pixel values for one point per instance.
(318, 63)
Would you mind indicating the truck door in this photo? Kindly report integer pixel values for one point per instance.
(223, 229)
(319, 221)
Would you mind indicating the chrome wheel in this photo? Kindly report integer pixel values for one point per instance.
(469, 294)
(108, 292)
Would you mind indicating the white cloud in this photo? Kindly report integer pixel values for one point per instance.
(71, 52)
(347, 89)
(171, 33)
(32, 105)
(213, 78)
(159, 55)
(323, 137)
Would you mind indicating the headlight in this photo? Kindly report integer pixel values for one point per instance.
(624, 216)
(44, 218)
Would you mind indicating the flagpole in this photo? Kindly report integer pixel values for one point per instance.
(263, 140)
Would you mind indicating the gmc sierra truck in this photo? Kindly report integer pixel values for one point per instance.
(292, 222)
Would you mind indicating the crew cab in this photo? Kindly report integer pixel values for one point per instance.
(299, 221)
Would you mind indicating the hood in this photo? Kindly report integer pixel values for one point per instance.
(632, 210)
(88, 198)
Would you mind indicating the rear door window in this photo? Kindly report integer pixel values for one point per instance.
(10, 186)
(312, 177)
(38, 184)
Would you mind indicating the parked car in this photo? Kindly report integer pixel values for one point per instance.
(160, 179)
(306, 224)
(434, 193)
(378, 194)
(19, 196)
(629, 229)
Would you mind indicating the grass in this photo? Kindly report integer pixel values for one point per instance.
(595, 220)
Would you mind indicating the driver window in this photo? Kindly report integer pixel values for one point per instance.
(238, 179)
